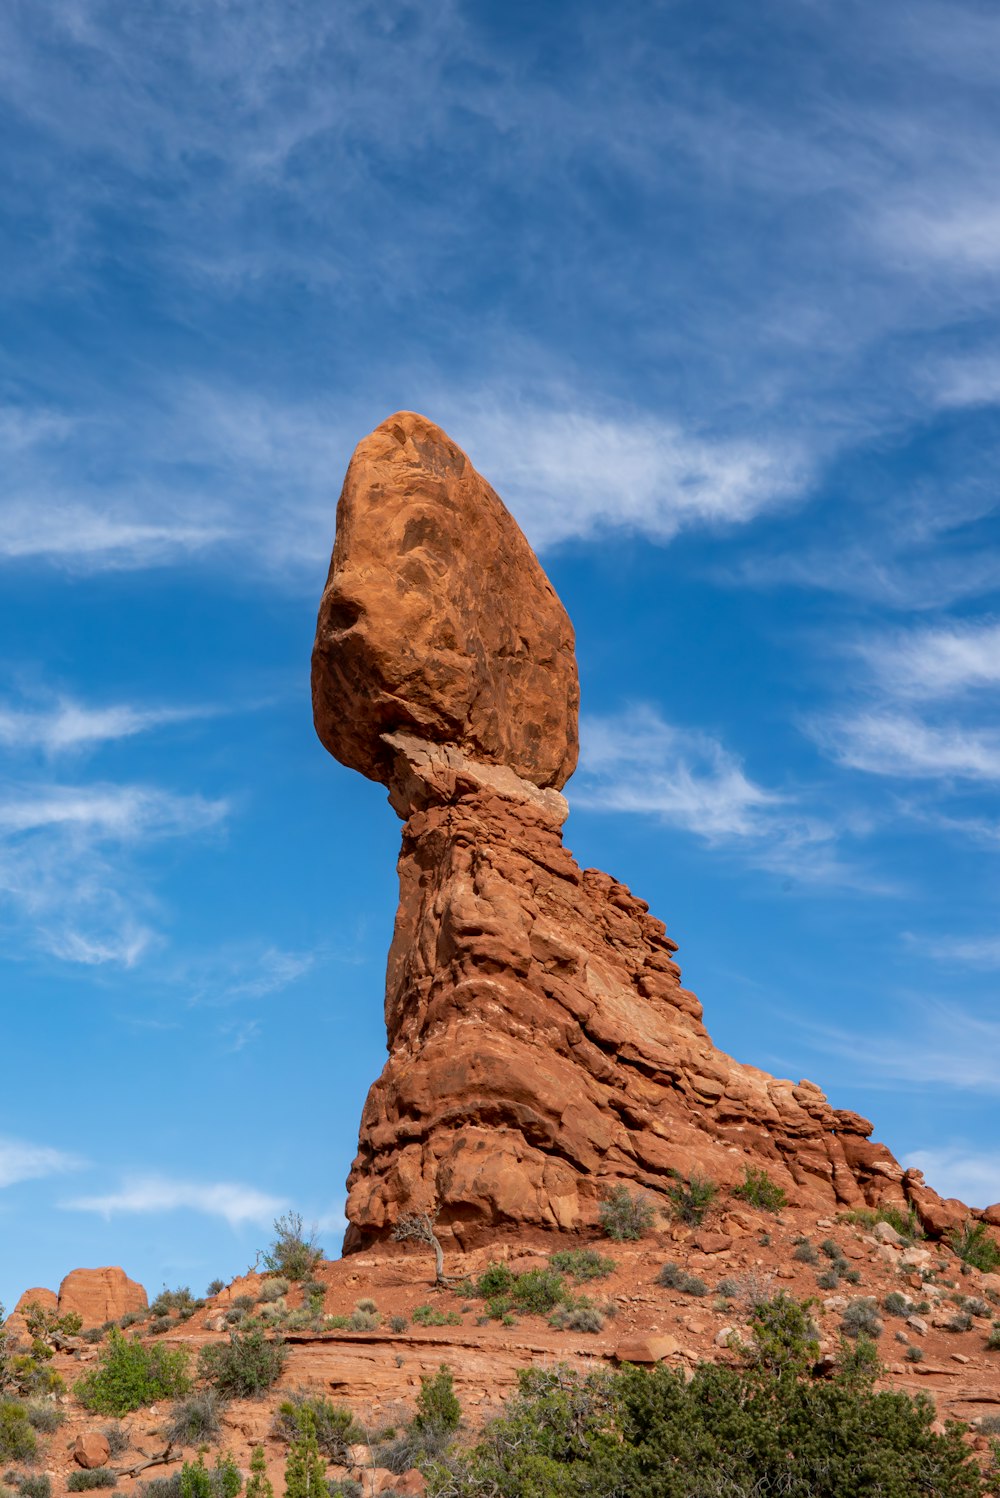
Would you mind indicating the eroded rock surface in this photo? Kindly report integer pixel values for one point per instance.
(99, 1295)
(541, 1044)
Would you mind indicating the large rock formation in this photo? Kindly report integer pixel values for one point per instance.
(541, 1044)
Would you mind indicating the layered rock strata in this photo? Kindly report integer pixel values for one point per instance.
(541, 1044)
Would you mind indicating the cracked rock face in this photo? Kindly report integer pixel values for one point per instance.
(541, 1045)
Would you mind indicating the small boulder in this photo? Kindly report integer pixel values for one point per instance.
(91, 1450)
(886, 1233)
(651, 1349)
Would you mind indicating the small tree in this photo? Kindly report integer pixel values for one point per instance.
(438, 1408)
(259, 1485)
(292, 1253)
(305, 1469)
(419, 1227)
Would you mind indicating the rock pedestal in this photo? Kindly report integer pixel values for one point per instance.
(542, 1047)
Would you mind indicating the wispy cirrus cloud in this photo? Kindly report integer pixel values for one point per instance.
(69, 726)
(943, 660)
(69, 881)
(153, 1194)
(964, 951)
(639, 763)
(937, 1043)
(898, 744)
(24, 1161)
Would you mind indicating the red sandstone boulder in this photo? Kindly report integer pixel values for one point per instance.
(91, 1449)
(99, 1295)
(651, 1349)
(47, 1299)
(437, 619)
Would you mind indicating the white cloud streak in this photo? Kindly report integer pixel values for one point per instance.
(896, 744)
(21, 1161)
(638, 763)
(942, 661)
(71, 726)
(936, 1043)
(150, 1194)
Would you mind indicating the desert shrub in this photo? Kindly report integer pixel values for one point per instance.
(196, 1418)
(333, 1424)
(363, 1321)
(728, 1287)
(273, 1288)
(431, 1316)
(129, 1375)
(38, 1485)
(626, 1215)
(690, 1200)
(905, 1221)
(975, 1246)
(673, 1277)
(960, 1322)
(829, 1279)
(214, 1287)
(247, 1364)
(117, 1437)
(975, 1306)
(315, 1290)
(727, 1432)
(437, 1404)
(804, 1253)
(993, 1340)
(17, 1439)
(496, 1279)
(160, 1324)
(180, 1299)
(758, 1190)
(398, 1324)
(581, 1264)
(833, 1251)
(292, 1254)
(859, 1361)
(197, 1481)
(895, 1304)
(914, 1354)
(861, 1318)
(581, 1316)
(784, 1337)
(44, 1416)
(537, 1291)
(96, 1477)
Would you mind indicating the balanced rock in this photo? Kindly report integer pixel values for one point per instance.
(542, 1047)
(99, 1295)
(437, 620)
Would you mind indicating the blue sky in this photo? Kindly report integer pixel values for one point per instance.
(711, 294)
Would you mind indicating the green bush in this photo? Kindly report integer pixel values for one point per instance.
(38, 1485)
(626, 1216)
(130, 1375)
(580, 1316)
(758, 1190)
(196, 1481)
(692, 1199)
(246, 1365)
(895, 1304)
(438, 1408)
(214, 1287)
(861, 1318)
(974, 1244)
(727, 1432)
(673, 1277)
(804, 1253)
(431, 1316)
(496, 1279)
(398, 1324)
(581, 1264)
(333, 1425)
(44, 1416)
(914, 1354)
(292, 1254)
(259, 1485)
(173, 1300)
(196, 1418)
(905, 1221)
(17, 1439)
(97, 1477)
(993, 1340)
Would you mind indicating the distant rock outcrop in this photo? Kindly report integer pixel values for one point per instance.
(541, 1045)
(99, 1295)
